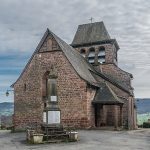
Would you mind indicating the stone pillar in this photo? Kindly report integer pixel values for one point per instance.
(99, 115)
(129, 113)
(121, 115)
(102, 116)
(115, 117)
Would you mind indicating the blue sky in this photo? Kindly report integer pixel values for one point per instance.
(22, 24)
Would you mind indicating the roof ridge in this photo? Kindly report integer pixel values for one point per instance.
(92, 23)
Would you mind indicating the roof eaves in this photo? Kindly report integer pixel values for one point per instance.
(94, 43)
(112, 81)
(116, 101)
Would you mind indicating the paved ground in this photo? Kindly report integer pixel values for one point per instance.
(89, 140)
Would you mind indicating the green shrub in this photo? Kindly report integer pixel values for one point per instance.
(3, 127)
(146, 124)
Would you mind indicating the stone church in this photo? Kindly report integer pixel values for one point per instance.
(78, 85)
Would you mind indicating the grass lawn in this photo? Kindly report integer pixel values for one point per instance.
(143, 118)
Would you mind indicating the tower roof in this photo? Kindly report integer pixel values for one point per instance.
(90, 33)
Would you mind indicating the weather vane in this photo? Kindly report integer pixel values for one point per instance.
(91, 19)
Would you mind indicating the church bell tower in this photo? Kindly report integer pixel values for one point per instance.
(93, 42)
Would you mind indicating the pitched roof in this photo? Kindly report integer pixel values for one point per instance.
(112, 80)
(105, 95)
(84, 69)
(78, 62)
(90, 33)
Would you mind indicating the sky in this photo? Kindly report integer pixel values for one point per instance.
(23, 23)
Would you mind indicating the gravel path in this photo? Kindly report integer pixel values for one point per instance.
(89, 140)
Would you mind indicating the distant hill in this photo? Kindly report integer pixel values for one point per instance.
(143, 105)
(6, 108)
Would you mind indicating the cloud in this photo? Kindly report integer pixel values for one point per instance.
(5, 82)
(24, 22)
(5, 98)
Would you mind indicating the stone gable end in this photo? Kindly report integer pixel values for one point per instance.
(71, 89)
(49, 44)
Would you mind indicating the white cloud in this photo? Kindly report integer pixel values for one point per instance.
(24, 22)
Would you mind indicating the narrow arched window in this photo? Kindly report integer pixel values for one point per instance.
(115, 58)
(25, 87)
(51, 89)
(91, 56)
(82, 52)
(101, 55)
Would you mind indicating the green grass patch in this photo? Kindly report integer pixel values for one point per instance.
(142, 118)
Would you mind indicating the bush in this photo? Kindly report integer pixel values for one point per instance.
(3, 127)
(146, 124)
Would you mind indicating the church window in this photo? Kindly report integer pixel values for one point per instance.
(54, 44)
(25, 87)
(115, 59)
(101, 55)
(51, 90)
(82, 52)
(91, 56)
(49, 44)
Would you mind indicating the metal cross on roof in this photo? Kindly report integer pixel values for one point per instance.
(91, 19)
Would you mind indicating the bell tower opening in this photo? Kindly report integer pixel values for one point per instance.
(95, 44)
(101, 55)
(83, 52)
(91, 55)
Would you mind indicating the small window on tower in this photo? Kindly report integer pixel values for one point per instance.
(82, 52)
(91, 56)
(115, 59)
(101, 55)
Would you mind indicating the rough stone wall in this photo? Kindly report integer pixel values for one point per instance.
(110, 68)
(119, 74)
(74, 96)
(126, 107)
(28, 102)
(71, 90)
(90, 108)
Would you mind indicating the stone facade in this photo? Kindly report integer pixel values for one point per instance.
(110, 67)
(74, 94)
